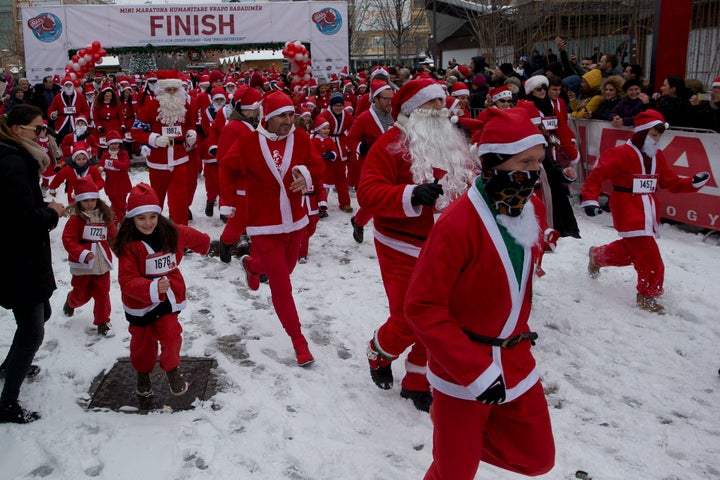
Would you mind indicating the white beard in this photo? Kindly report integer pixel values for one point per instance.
(524, 228)
(172, 107)
(650, 147)
(431, 140)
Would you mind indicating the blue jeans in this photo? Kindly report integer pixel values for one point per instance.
(28, 337)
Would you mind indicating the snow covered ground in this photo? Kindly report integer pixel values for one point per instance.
(633, 395)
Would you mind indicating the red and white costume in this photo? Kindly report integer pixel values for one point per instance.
(336, 174)
(117, 180)
(67, 108)
(70, 175)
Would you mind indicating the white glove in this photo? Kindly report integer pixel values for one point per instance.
(162, 141)
(191, 138)
(145, 151)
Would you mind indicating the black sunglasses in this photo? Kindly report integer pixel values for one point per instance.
(38, 130)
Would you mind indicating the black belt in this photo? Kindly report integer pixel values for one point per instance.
(622, 189)
(400, 232)
(502, 342)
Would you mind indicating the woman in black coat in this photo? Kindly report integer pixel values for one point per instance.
(26, 281)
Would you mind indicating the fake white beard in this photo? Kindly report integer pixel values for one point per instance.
(524, 228)
(650, 147)
(433, 141)
(172, 107)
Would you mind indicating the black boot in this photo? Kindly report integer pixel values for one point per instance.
(421, 400)
(209, 208)
(225, 255)
(358, 231)
(67, 309)
(13, 413)
(144, 386)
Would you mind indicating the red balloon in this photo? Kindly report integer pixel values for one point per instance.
(102, 52)
(96, 44)
(75, 58)
(81, 52)
(96, 56)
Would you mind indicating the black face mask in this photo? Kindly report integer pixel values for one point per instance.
(509, 190)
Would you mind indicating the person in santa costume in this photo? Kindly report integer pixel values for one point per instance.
(85, 238)
(340, 122)
(365, 130)
(279, 165)
(150, 248)
(637, 170)
(165, 124)
(65, 107)
(242, 120)
(116, 162)
(46, 140)
(398, 185)
(469, 302)
(76, 168)
(80, 134)
(107, 113)
(208, 155)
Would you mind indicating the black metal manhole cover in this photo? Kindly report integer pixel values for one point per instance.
(115, 390)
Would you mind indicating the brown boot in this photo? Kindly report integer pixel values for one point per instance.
(144, 386)
(593, 270)
(649, 304)
(178, 385)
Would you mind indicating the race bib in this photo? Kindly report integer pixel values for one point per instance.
(159, 264)
(128, 136)
(644, 184)
(69, 111)
(172, 132)
(94, 232)
(550, 123)
(102, 140)
(109, 164)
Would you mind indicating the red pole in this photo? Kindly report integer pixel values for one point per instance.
(670, 40)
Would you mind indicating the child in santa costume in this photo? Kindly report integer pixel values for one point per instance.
(279, 165)
(77, 167)
(636, 169)
(469, 302)
(47, 141)
(340, 122)
(116, 163)
(86, 238)
(327, 149)
(80, 134)
(150, 248)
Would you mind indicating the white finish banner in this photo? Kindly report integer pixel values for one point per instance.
(51, 31)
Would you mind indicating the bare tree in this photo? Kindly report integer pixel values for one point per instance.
(399, 21)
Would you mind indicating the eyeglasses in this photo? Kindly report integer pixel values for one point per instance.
(385, 98)
(504, 100)
(38, 129)
(540, 88)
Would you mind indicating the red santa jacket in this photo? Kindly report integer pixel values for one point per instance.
(148, 127)
(365, 129)
(474, 287)
(268, 166)
(107, 117)
(141, 268)
(127, 112)
(232, 181)
(68, 109)
(69, 175)
(363, 104)
(338, 131)
(634, 214)
(207, 119)
(214, 133)
(385, 188)
(67, 144)
(117, 180)
(81, 238)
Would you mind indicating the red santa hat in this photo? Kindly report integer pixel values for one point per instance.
(506, 132)
(106, 87)
(531, 109)
(216, 76)
(311, 101)
(459, 88)
(463, 71)
(143, 199)
(534, 82)
(150, 75)
(81, 118)
(113, 136)
(56, 79)
(413, 94)
(230, 80)
(204, 81)
(306, 111)
(276, 103)
(716, 83)
(80, 147)
(348, 106)
(320, 122)
(256, 79)
(85, 189)
(168, 79)
(249, 98)
(648, 119)
(218, 92)
(361, 74)
(344, 71)
(89, 89)
(498, 93)
(451, 103)
(379, 71)
(378, 86)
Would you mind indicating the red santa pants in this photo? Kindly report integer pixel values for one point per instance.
(144, 341)
(193, 172)
(354, 168)
(640, 252)
(236, 224)
(309, 232)
(212, 181)
(276, 256)
(516, 436)
(396, 335)
(174, 184)
(118, 203)
(95, 287)
(335, 171)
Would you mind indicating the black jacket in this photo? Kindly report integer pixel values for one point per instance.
(26, 276)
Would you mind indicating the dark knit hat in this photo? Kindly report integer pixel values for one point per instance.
(336, 98)
(630, 83)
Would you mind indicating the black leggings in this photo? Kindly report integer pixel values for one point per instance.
(28, 337)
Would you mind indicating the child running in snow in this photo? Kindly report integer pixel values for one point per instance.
(77, 167)
(116, 163)
(149, 248)
(86, 238)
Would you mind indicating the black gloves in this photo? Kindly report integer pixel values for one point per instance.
(363, 149)
(329, 156)
(592, 210)
(700, 178)
(494, 394)
(199, 130)
(426, 194)
(100, 128)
